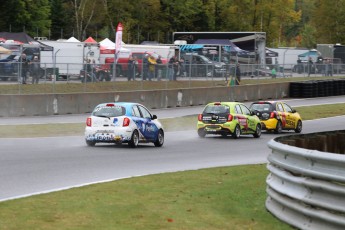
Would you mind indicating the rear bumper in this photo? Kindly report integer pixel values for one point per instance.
(217, 129)
(269, 124)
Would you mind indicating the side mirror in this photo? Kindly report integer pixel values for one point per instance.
(293, 111)
(154, 117)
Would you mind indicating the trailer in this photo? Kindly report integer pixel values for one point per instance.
(335, 54)
(68, 58)
(287, 57)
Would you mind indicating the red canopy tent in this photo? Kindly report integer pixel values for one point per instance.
(90, 40)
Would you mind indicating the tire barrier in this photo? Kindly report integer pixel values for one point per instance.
(306, 184)
(317, 88)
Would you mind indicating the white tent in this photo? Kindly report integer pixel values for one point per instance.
(107, 43)
(72, 39)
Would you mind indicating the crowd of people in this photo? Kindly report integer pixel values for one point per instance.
(150, 67)
(154, 68)
(29, 67)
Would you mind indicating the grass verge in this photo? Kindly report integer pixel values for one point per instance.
(217, 198)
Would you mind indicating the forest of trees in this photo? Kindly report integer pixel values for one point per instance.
(300, 23)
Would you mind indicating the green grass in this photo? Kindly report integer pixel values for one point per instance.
(217, 198)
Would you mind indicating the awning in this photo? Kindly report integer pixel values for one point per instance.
(221, 42)
(191, 47)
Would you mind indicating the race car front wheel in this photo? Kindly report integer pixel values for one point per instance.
(160, 139)
(299, 127)
(257, 133)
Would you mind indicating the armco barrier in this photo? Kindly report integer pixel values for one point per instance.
(306, 184)
(79, 103)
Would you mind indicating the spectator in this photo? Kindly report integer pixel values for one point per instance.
(35, 70)
(136, 67)
(24, 64)
(310, 66)
(274, 73)
(172, 60)
(237, 74)
(152, 64)
(183, 72)
(131, 68)
(89, 71)
(329, 68)
(176, 66)
(158, 69)
(145, 67)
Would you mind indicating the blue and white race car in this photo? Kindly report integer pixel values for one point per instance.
(123, 122)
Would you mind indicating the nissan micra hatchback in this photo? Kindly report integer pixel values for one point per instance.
(277, 116)
(123, 122)
(228, 118)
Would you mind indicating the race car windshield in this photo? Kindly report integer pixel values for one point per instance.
(261, 107)
(216, 109)
(109, 111)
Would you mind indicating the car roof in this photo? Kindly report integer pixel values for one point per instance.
(266, 102)
(124, 104)
(228, 103)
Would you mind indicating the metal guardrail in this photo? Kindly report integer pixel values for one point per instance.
(306, 184)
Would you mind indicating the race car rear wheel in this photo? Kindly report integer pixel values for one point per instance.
(299, 127)
(237, 132)
(160, 139)
(201, 133)
(90, 143)
(279, 127)
(134, 140)
(257, 133)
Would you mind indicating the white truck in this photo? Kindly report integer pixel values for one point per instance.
(67, 58)
(287, 56)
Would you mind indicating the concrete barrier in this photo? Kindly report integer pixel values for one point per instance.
(79, 103)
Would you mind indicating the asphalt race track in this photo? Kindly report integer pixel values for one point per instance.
(37, 165)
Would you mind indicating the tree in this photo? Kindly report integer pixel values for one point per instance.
(60, 18)
(308, 36)
(329, 19)
(28, 16)
(84, 11)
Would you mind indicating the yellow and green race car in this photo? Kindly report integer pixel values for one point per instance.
(277, 116)
(228, 118)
